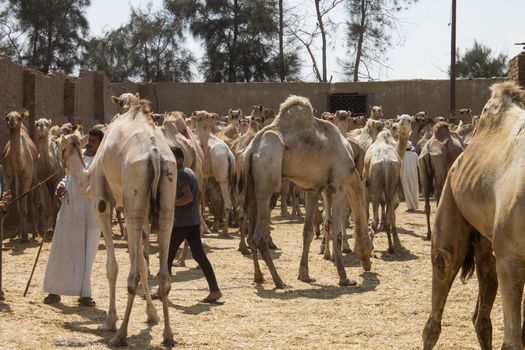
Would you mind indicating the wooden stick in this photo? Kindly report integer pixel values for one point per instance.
(36, 260)
(2, 217)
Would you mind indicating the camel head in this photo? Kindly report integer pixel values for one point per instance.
(257, 111)
(376, 112)
(14, 120)
(243, 126)
(204, 120)
(356, 122)
(394, 129)
(42, 127)
(69, 146)
(341, 120)
(268, 115)
(124, 101)
(235, 116)
(374, 127)
(405, 123)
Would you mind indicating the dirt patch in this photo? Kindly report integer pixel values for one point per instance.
(386, 310)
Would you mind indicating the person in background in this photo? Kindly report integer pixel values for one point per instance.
(186, 225)
(409, 178)
(75, 240)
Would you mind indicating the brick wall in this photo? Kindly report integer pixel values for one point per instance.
(517, 69)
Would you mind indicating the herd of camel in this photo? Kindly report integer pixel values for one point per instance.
(473, 168)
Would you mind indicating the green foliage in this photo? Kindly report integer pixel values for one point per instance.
(46, 34)
(478, 62)
(370, 30)
(147, 48)
(240, 38)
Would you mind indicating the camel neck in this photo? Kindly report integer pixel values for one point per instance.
(77, 170)
(204, 136)
(15, 145)
(42, 144)
(402, 144)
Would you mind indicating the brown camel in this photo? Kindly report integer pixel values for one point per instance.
(20, 159)
(437, 156)
(47, 164)
(280, 149)
(484, 192)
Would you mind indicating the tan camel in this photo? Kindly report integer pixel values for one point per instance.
(47, 164)
(463, 114)
(437, 156)
(484, 192)
(341, 120)
(134, 167)
(20, 159)
(381, 176)
(279, 150)
(356, 123)
(219, 161)
(268, 115)
(230, 133)
(421, 125)
(376, 112)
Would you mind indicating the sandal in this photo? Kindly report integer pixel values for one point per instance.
(86, 301)
(52, 299)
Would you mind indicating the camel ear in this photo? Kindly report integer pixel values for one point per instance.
(114, 99)
(84, 141)
(137, 95)
(194, 113)
(230, 111)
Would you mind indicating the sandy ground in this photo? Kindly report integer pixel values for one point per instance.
(386, 310)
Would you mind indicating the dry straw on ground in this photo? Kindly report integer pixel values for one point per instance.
(387, 310)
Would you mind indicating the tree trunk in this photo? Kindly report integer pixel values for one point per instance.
(360, 41)
(323, 36)
(281, 41)
(233, 51)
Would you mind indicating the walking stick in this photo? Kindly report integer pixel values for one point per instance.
(2, 217)
(36, 260)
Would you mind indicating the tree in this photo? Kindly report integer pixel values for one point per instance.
(478, 62)
(239, 38)
(299, 28)
(148, 48)
(45, 34)
(369, 34)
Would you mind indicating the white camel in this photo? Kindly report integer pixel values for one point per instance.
(219, 161)
(135, 167)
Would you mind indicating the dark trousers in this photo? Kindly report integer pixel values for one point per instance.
(193, 236)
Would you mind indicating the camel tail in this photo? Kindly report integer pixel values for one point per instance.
(231, 172)
(156, 165)
(469, 264)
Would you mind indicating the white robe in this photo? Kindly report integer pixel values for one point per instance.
(74, 246)
(409, 179)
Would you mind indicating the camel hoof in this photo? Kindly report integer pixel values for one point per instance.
(347, 282)
(2, 296)
(169, 342)
(280, 285)
(244, 251)
(272, 245)
(107, 328)
(118, 341)
(347, 250)
(306, 279)
(327, 256)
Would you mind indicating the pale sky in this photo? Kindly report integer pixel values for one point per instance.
(424, 53)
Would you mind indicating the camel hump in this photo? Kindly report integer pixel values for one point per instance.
(509, 92)
(296, 110)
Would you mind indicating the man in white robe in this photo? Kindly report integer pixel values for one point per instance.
(409, 178)
(75, 240)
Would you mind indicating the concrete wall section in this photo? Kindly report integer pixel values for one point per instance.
(396, 97)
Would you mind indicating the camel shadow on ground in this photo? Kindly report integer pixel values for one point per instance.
(5, 308)
(17, 248)
(318, 291)
(401, 254)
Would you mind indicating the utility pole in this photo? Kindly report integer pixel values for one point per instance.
(453, 59)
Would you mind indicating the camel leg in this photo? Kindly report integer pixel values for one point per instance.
(450, 244)
(346, 220)
(103, 217)
(24, 186)
(225, 191)
(151, 312)
(243, 247)
(308, 235)
(511, 273)
(383, 224)
(285, 186)
(260, 237)
(252, 213)
(327, 225)
(488, 287)
(338, 207)
(181, 262)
